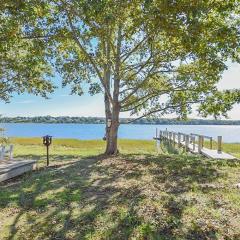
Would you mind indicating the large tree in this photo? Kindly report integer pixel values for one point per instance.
(23, 64)
(147, 57)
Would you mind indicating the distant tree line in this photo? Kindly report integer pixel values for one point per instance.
(101, 120)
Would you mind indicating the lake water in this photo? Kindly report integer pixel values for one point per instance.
(130, 131)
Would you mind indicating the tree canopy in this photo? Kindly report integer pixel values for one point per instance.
(147, 57)
(23, 63)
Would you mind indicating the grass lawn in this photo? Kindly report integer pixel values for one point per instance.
(137, 195)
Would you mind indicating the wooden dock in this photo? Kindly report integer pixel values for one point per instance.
(13, 168)
(189, 143)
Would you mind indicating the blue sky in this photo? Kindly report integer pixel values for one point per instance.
(63, 104)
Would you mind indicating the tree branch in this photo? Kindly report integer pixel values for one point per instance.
(87, 54)
(128, 54)
(143, 100)
(117, 65)
(162, 109)
(136, 88)
(29, 37)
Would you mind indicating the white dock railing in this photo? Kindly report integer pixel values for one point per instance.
(189, 143)
(6, 150)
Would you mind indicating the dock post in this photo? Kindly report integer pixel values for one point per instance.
(193, 142)
(174, 137)
(186, 142)
(11, 152)
(211, 143)
(202, 141)
(179, 140)
(170, 137)
(199, 144)
(219, 150)
(159, 137)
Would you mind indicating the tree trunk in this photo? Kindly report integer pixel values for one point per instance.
(112, 130)
(112, 146)
(112, 134)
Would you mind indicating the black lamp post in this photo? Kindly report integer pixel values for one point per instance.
(47, 140)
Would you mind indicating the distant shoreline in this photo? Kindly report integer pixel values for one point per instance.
(101, 120)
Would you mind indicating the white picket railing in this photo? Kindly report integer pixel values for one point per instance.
(6, 150)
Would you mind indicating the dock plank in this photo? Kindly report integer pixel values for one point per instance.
(214, 154)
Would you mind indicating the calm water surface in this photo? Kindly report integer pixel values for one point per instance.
(131, 131)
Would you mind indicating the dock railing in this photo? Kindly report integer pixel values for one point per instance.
(204, 137)
(188, 141)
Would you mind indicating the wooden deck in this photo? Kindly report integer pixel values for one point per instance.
(13, 168)
(211, 153)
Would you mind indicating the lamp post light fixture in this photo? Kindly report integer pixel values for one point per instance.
(47, 141)
(109, 123)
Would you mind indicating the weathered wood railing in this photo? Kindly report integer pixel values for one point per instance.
(204, 137)
(193, 143)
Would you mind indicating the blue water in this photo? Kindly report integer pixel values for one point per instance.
(131, 131)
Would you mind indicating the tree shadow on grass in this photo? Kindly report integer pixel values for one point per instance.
(53, 157)
(141, 196)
